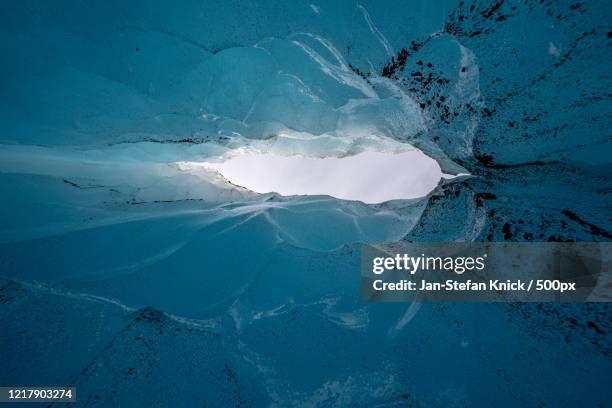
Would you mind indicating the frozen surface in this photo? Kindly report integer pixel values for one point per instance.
(142, 278)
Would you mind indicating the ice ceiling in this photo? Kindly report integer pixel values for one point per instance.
(151, 262)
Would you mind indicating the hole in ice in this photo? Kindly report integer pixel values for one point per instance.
(370, 177)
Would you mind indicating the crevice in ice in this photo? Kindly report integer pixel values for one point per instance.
(370, 177)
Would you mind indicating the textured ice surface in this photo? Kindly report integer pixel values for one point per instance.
(141, 278)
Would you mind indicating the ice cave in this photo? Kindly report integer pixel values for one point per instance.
(148, 257)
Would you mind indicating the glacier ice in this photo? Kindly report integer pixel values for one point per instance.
(127, 266)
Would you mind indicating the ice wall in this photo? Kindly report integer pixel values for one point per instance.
(124, 271)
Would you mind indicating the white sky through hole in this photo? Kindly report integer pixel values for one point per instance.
(370, 177)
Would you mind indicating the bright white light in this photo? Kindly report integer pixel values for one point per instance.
(370, 177)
